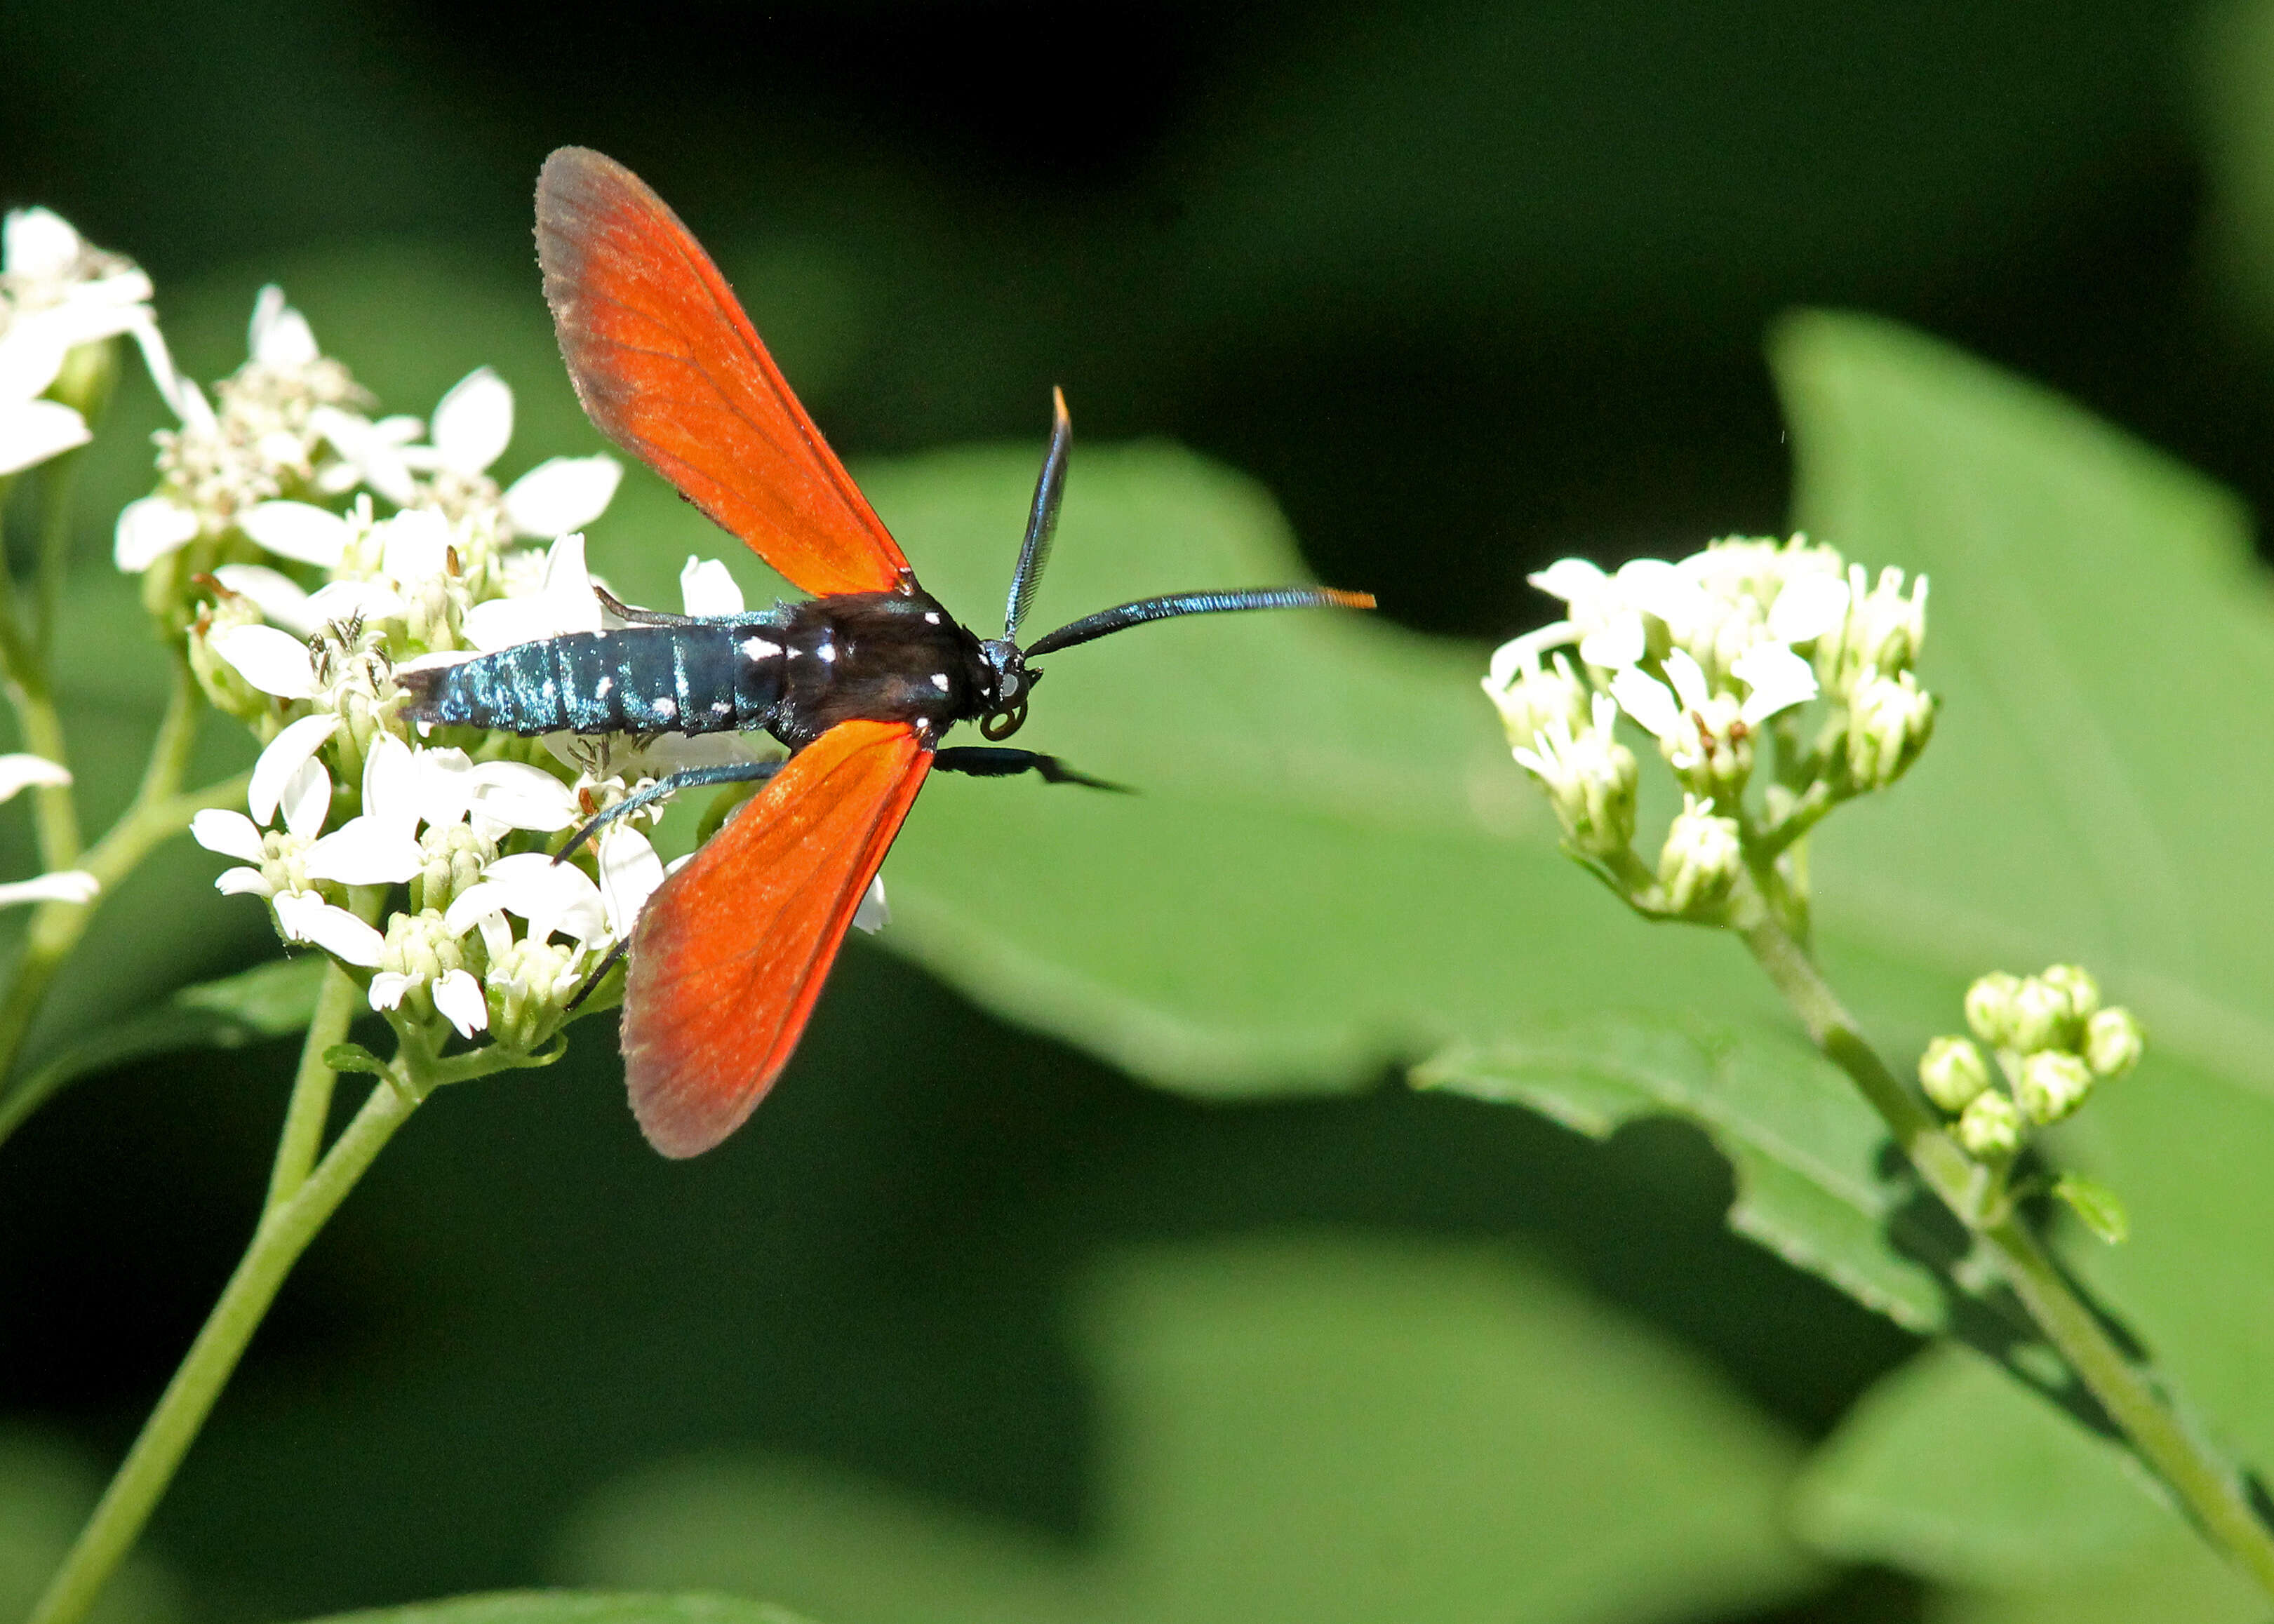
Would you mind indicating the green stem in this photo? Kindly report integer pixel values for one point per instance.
(283, 1233)
(311, 1107)
(2203, 1484)
(158, 812)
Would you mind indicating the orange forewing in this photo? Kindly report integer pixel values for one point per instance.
(669, 367)
(730, 954)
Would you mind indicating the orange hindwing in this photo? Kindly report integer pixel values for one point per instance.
(730, 954)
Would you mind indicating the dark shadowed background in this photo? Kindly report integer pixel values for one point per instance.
(1466, 286)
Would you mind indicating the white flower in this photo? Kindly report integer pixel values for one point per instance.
(1666, 713)
(564, 603)
(1778, 678)
(1589, 778)
(57, 285)
(74, 885)
(378, 846)
(304, 916)
(561, 494)
(278, 336)
(21, 771)
(276, 594)
(1809, 605)
(283, 760)
(1702, 858)
(273, 661)
(372, 452)
(629, 873)
(461, 1002)
(298, 530)
(33, 430)
(148, 529)
(556, 898)
(472, 424)
(705, 588)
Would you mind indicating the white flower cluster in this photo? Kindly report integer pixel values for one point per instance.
(1712, 656)
(62, 300)
(308, 552)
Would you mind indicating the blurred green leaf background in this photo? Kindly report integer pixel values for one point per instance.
(1093, 1260)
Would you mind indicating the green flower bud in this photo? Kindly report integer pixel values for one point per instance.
(1951, 1072)
(1990, 1007)
(2113, 1042)
(1701, 861)
(222, 683)
(2076, 982)
(2043, 1018)
(1991, 1125)
(2051, 1084)
(1890, 719)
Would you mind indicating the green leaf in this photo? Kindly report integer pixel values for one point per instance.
(269, 1001)
(2096, 1205)
(2084, 801)
(1815, 1183)
(2027, 1517)
(1330, 862)
(574, 1607)
(1315, 1428)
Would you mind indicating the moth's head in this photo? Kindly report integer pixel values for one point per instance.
(1005, 681)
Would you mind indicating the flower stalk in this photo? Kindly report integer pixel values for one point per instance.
(2208, 1489)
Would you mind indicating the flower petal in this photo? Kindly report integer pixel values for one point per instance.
(392, 783)
(1779, 678)
(65, 885)
(1689, 680)
(274, 661)
(279, 335)
(285, 756)
(34, 431)
(299, 530)
(460, 999)
(629, 873)
(148, 529)
(388, 987)
(520, 796)
(308, 799)
(705, 588)
(304, 916)
(38, 244)
(473, 422)
(561, 494)
(21, 770)
(1807, 606)
(339, 600)
(242, 883)
(365, 851)
(1650, 701)
(414, 547)
(232, 834)
(276, 594)
(550, 896)
(1573, 580)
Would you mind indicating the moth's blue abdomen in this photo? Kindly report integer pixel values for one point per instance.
(710, 676)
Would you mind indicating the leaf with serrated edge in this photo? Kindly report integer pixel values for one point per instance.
(1814, 1183)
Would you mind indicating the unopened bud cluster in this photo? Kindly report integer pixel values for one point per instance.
(2053, 1042)
(1774, 678)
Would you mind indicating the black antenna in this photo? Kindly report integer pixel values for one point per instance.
(1091, 626)
(1043, 522)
